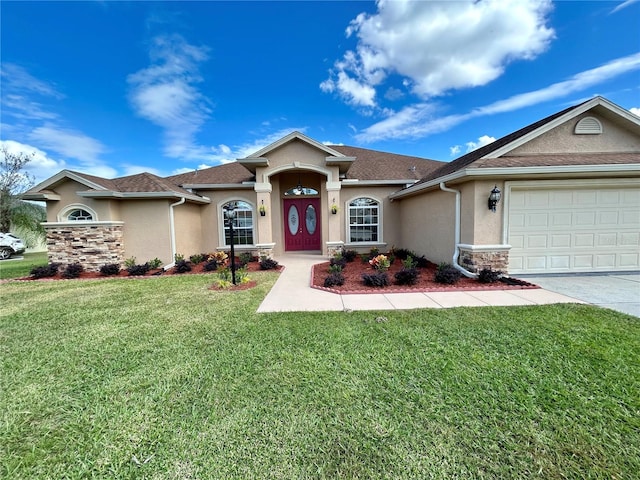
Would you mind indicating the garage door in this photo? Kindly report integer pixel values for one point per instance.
(574, 229)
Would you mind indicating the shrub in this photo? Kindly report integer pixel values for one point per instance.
(210, 266)
(403, 253)
(334, 279)
(245, 258)
(178, 257)
(73, 270)
(155, 263)
(196, 258)
(130, 262)
(421, 261)
(380, 262)
(409, 262)
(349, 255)
(338, 260)
(407, 276)
(220, 257)
(267, 263)
(138, 270)
(182, 266)
(447, 273)
(335, 268)
(45, 271)
(487, 275)
(110, 269)
(378, 279)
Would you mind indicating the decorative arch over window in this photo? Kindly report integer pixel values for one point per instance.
(364, 220)
(77, 213)
(243, 226)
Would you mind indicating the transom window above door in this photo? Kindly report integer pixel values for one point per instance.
(298, 191)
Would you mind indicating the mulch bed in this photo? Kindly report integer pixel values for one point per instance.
(195, 269)
(353, 281)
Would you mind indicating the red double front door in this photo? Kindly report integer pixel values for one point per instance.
(302, 224)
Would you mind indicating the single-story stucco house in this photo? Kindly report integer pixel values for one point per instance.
(569, 184)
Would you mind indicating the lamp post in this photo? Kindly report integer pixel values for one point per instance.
(230, 215)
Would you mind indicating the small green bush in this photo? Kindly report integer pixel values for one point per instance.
(138, 270)
(487, 275)
(196, 258)
(245, 258)
(407, 276)
(378, 279)
(268, 263)
(110, 269)
(338, 261)
(50, 270)
(130, 262)
(447, 274)
(73, 270)
(335, 268)
(155, 263)
(334, 279)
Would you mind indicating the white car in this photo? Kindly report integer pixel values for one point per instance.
(10, 245)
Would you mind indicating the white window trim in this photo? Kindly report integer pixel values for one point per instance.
(380, 240)
(221, 220)
(63, 215)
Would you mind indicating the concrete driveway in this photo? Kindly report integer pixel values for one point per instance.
(617, 291)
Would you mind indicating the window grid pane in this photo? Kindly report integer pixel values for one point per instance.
(242, 226)
(363, 220)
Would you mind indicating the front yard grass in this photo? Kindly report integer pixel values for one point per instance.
(14, 268)
(163, 378)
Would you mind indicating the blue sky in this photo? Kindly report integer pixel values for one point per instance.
(116, 88)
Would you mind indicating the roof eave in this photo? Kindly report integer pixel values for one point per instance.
(470, 173)
(143, 196)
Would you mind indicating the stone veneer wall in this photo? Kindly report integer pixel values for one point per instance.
(89, 245)
(476, 260)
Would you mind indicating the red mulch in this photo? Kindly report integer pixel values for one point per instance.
(354, 284)
(195, 269)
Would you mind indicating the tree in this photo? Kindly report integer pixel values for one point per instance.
(13, 181)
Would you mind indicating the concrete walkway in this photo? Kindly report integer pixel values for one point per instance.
(292, 293)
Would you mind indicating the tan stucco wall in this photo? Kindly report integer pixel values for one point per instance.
(481, 226)
(188, 229)
(106, 210)
(295, 151)
(427, 225)
(562, 139)
(146, 230)
(212, 220)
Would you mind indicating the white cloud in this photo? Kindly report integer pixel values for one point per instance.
(482, 141)
(420, 120)
(455, 150)
(15, 77)
(624, 5)
(67, 142)
(41, 165)
(635, 111)
(437, 46)
(165, 93)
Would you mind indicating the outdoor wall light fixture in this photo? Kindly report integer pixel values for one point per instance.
(230, 216)
(299, 189)
(494, 198)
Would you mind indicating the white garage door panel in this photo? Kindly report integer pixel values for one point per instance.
(574, 229)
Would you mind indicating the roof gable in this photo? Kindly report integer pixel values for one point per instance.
(509, 142)
(291, 137)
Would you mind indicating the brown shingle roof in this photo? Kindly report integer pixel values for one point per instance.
(559, 159)
(228, 173)
(376, 165)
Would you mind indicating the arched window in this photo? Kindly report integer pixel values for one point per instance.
(79, 215)
(364, 220)
(296, 191)
(77, 212)
(242, 226)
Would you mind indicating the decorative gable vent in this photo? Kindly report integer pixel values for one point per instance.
(588, 126)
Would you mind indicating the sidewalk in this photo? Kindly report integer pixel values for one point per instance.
(292, 293)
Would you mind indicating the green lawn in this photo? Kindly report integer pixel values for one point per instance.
(163, 378)
(13, 268)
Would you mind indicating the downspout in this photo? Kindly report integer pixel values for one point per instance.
(456, 252)
(172, 228)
